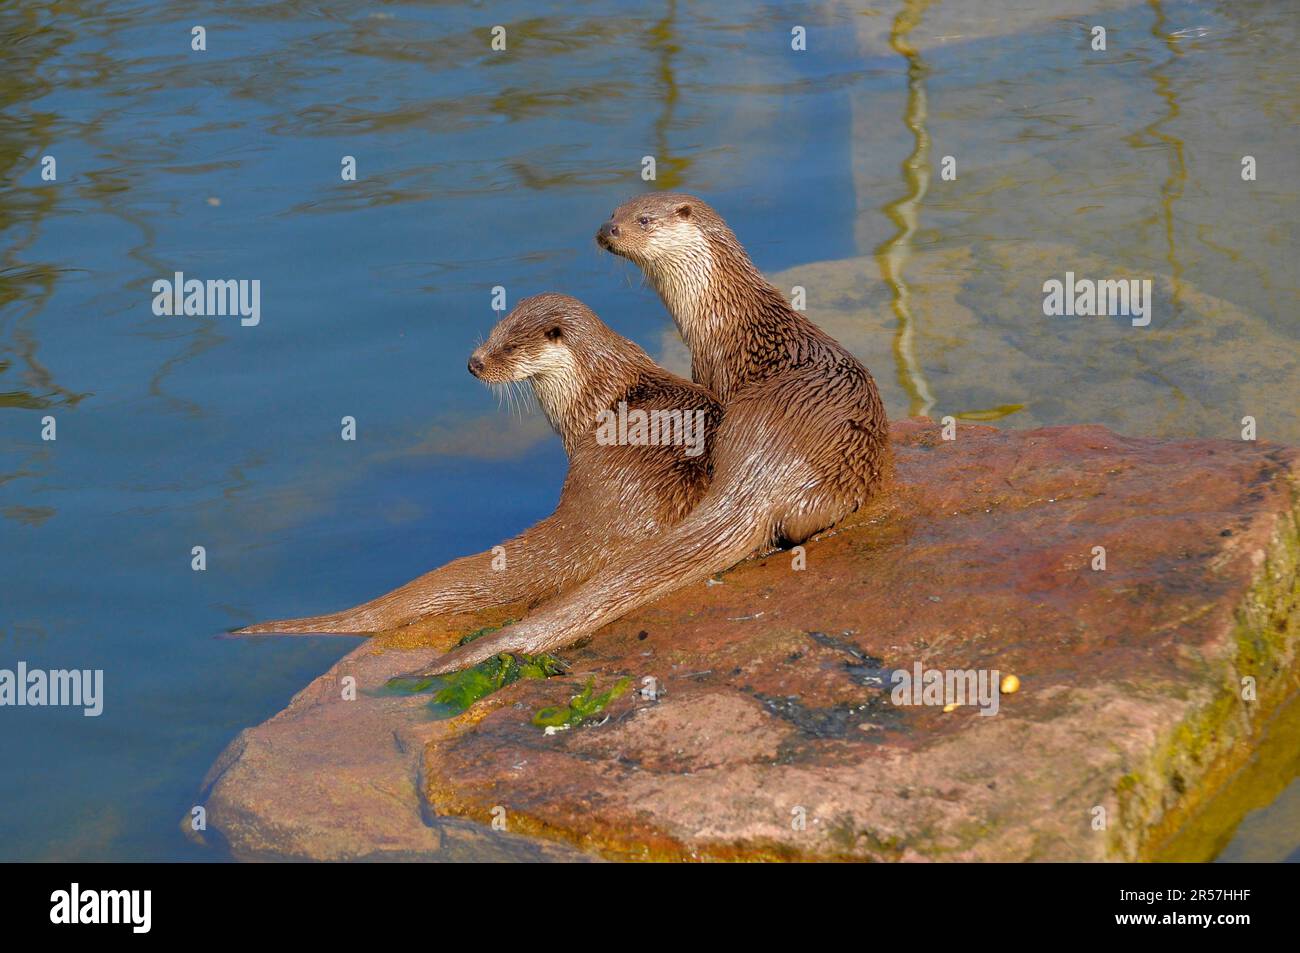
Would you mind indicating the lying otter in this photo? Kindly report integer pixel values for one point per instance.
(590, 383)
(802, 443)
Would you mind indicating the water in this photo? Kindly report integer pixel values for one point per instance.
(478, 169)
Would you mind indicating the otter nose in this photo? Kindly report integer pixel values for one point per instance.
(475, 365)
(607, 231)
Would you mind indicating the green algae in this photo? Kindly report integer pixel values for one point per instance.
(1272, 767)
(581, 706)
(463, 689)
(1166, 816)
(457, 692)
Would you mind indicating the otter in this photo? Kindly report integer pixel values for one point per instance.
(623, 485)
(803, 440)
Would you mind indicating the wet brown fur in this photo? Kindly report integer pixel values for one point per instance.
(614, 496)
(803, 441)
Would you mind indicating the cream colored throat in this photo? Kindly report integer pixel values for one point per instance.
(557, 382)
(683, 282)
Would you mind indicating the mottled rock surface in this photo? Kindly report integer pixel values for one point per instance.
(772, 733)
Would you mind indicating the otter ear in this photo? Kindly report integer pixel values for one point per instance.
(553, 334)
(684, 210)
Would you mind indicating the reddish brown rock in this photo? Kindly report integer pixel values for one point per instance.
(772, 733)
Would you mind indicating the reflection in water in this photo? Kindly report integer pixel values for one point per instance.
(989, 413)
(1172, 188)
(905, 211)
(24, 138)
(25, 288)
(670, 170)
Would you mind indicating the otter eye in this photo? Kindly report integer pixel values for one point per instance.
(507, 348)
(553, 334)
(643, 221)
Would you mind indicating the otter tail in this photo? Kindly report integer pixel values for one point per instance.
(463, 584)
(364, 619)
(724, 528)
(336, 624)
(540, 568)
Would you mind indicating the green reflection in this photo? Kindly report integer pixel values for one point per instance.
(904, 212)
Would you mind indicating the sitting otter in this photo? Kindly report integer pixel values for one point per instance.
(803, 441)
(639, 442)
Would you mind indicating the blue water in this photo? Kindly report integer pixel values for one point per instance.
(475, 169)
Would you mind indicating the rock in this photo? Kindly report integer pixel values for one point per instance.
(333, 776)
(761, 723)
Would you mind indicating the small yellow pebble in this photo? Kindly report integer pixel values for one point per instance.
(951, 706)
(1010, 685)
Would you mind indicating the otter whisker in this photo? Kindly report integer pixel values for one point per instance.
(525, 398)
(500, 391)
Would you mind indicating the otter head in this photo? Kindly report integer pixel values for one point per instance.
(680, 243)
(557, 344)
(530, 341)
(661, 230)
